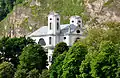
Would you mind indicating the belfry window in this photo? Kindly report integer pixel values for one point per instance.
(50, 26)
(50, 40)
(57, 25)
(58, 19)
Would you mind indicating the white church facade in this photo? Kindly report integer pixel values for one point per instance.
(49, 36)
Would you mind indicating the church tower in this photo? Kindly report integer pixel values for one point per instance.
(53, 23)
(53, 32)
(76, 20)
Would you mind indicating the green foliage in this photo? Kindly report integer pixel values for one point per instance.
(109, 31)
(59, 49)
(45, 74)
(20, 73)
(6, 7)
(33, 74)
(6, 70)
(85, 65)
(33, 56)
(56, 67)
(11, 48)
(108, 2)
(101, 63)
(73, 59)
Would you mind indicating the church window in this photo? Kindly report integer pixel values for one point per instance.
(50, 58)
(57, 25)
(50, 26)
(50, 40)
(78, 31)
(79, 21)
(64, 38)
(50, 18)
(72, 21)
(42, 42)
(58, 19)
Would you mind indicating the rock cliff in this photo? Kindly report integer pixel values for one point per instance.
(32, 14)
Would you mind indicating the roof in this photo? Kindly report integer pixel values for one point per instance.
(41, 31)
(65, 29)
(53, 13)
(68, 29)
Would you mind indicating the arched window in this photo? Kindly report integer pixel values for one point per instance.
(42, 42)
(58, 19)
(57, 25)
(50, 26)
(50, 40)
(50, 58)
(78, 31)
(79, 21)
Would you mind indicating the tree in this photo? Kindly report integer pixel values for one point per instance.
(33, 74)
(101, 62)
(105, 63)
(59, 49)
(6, 6)
(45, 74)
(20, 73)
(6, 70)
(73, 59)
(33, 56)
(55, 69)
(11, 48)
(85, 69)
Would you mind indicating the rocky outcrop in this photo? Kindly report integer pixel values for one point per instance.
(103, 10)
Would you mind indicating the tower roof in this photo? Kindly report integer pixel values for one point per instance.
(53, 13)
(76, 17)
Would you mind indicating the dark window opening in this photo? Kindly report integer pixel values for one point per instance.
(50, 18)
(58, 19)
(72, 21)
(79, 21)
(50, 26)
(50, 40)
(50, 58)
(78, 31)
(64, 38)
(57, 25)
(42, 42)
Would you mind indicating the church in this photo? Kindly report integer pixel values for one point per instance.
(49, 36)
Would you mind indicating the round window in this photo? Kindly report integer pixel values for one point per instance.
(79, 21)
(78, 31)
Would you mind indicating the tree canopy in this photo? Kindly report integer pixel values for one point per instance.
(6, 7)
(59, 49)
(32, 59)
(11, 48)
(6, 70)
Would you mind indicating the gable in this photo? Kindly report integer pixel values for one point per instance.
(77, 30)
